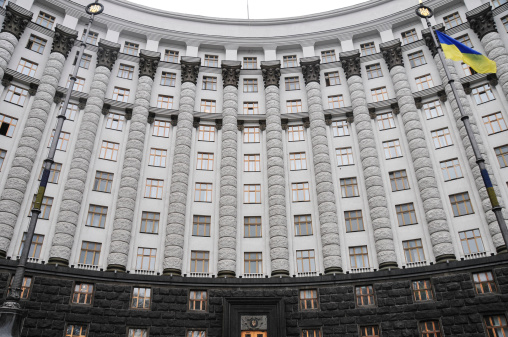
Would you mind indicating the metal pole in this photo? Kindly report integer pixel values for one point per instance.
(496, 208)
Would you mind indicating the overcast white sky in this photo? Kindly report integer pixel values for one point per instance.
(258, 9)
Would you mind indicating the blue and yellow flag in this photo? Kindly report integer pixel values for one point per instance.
(454, 50)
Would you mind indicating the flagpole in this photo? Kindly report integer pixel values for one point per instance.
(496, 208)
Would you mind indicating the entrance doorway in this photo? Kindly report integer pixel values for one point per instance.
(254, 334)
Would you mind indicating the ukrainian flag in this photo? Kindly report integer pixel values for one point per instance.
(454, 50)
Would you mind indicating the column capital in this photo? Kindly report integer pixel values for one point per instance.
(481, 20)
(429, 41)
(231, 72)
(351, 63)
(107, 53)
(271, 72)
(16, 19)
(63, 41)
(148, 63)
(392, 53)
(190, 68)
(310, 68)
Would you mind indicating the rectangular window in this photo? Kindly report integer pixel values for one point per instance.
(293, 106)
(16, 95)
(25, 287)
(79, 84)
(416, 59)
(332, 78)
(204, 161)
(335, 102)
(251, 163)
(197, 300)
(501, 154)
(165, 102)
(209, 83)
(464, 39)
(85, 61)
(252, 227)
(494, 123)
(441, 138)
(115, 121)
(406, 214)
(141, 298)
(208, 106)
(103, 181)
(96, 216)
(250, 108)
(203, 192)
(206, 133)
(157, 157)
(340, 129)
(168, 79)
(7, 125)
(47, 203)
(349, 187)
(250, 85)
(150, 222)
(344, 156)
(45, 20)
(328, 56)
(374, 71)
(303, 225)
(422, 290)
(498, 3)
(251, 194)
(92, 37)
(289, 61)
(146, 258)
(433, 109)
(251, 134)
(379, 94)
(201, 225)
(131, 48)
(365, 296)
(153, 188)
(452, 20)
(300, 192)
(297, 161)
(399, 181)
(461, 204)
(413, 251)
(468, 71)
(424, 82)
(504, 20)
(253, 263)
(292, 83)
(109, 150)
(171, 56)
(3, 153)
(483, 94)
(70, 113)
(196, 333)
(311, 333)
(90, 253)
(83, 293)
(36, 44)
(125, 71)
(250, 63)
(484, 283)
(161, 129)
(35, 247)
(296, 133)
(392, 149)
(430, 329)
(471, 242)
(354, 221)
(369, 331)
(75, 331)
(308, 299)
(368, 48)
(211, 61)
(199, 261)
(121, 94)
(63, 140)
(305, 261)
(451, 169)
(26, 67)
(409, 36)
(496, 326)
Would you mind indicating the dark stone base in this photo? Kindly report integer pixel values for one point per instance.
(445, 258)
(3, 255)
(116, 268)
(58, 261)
(11, 321)
(226, 273)
(388, 266)
(501, 250)
(172, 272)
(280, 273)
(333, 270)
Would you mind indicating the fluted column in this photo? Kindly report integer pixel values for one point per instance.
(228, 210)
(279, 253)
(175, 229)
(129, 181)
(482, 22)
(376, 192)
(435, 215)
(15, 22)
(494, 229)
(30, 141)
(327, 208)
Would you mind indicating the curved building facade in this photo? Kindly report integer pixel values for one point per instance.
(326, 151)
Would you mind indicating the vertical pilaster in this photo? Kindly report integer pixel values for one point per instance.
(29, 143)
(129, 181)
(175, 229)
(279, 253)
(228, 212)
(327, 208)
(435, 215)
(376, 192)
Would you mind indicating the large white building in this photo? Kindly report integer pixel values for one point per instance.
(249, 148)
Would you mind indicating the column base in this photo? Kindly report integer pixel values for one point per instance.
(172, 271)
(11, 321)
(445, 258)
(333, 270)
(280, 273)
(3, 255)
(116, 267)
(226, 273)
(59, 261)
(388, 265)
(501, 249)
